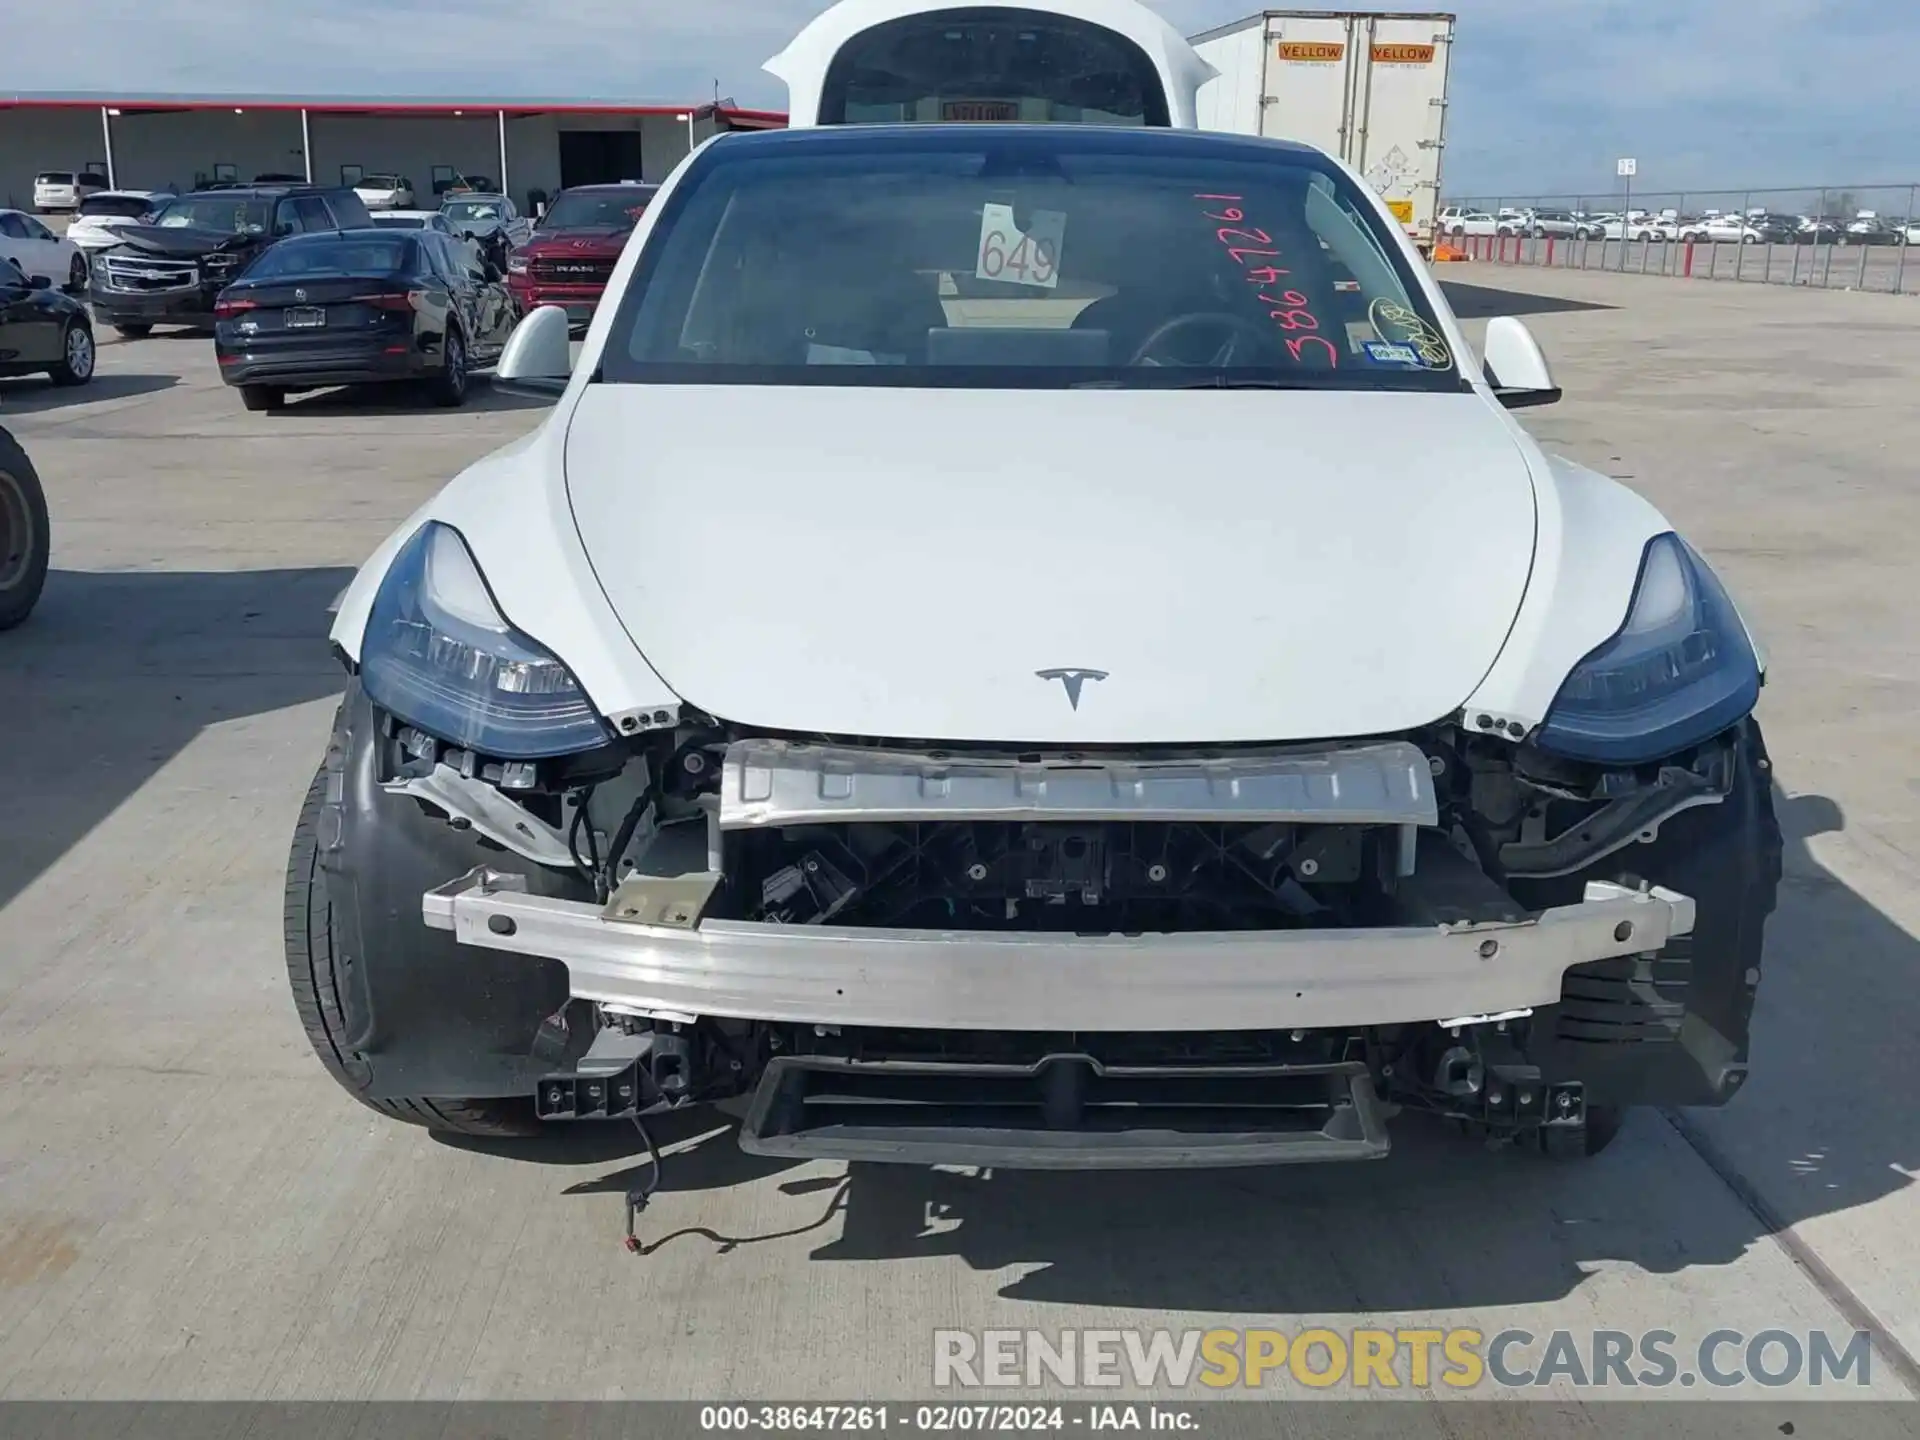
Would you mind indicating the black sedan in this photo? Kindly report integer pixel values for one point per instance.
(356, 307)
(42, 331)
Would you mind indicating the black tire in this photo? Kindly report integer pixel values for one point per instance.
(134, 331)
(316, 991)
(262, 397)
(24, 535)
(77, 274)
(449, 387)
(77, 354)
(1600, 1131)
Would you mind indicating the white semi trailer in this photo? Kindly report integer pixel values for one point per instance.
(1370, 87)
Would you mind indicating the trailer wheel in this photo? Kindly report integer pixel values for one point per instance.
(316, 993)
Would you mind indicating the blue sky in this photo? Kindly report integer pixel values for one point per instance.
(1547, 93)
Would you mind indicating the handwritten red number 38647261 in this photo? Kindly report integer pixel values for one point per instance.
(1290, 311)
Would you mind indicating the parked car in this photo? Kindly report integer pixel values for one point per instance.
(1473, 222)
(481, 217)
(1869, 230)
(385, 192)
(63, 190)
(1112, 864)
(1723, 230)
(25, 535)
(571, 253)
(170, 271)
(1559, 224)
(1821, 230)
(1776, 229)
(96, 224)
(42, 331)
(413, 220)
(38, 251)
(358, 307)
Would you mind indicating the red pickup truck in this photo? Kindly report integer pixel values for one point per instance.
(574, 248)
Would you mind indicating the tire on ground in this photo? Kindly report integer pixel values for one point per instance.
(315, 984)
(23, 556)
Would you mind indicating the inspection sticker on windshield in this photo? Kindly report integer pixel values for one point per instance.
(1383, 353)
(1020, 257)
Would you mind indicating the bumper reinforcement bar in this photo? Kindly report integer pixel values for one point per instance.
(1042, 981)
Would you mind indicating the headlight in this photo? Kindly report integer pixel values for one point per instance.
(439, 655)
(516, 264)
(1680, 670)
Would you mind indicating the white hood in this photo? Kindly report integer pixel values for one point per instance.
(901, 563)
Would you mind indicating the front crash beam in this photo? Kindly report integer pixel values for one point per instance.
(1037, 981)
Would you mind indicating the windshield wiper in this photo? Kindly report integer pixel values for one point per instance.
(1223, 382)
(1216, 382)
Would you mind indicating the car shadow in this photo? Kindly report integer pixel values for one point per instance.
(1442, 1222)
(116, 672)
(24, 395)
(406, 399)
(1484, 302)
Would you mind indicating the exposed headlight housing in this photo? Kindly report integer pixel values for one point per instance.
(1680, 670)
(439, 655)
(516, 264)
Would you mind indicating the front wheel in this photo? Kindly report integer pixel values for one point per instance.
(24, 541)
(77, 274)
(76, 355)
(314, 971)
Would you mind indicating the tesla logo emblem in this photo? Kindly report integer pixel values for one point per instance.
(1073, 680)
(299, 294)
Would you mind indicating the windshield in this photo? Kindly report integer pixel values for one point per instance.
(311, 255)
(471, 210)
(598, 209)
(1030, 256)
(235, 214)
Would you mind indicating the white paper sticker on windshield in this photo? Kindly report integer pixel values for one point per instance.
(1020, 257)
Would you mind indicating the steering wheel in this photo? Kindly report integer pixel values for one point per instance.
(1237, 331)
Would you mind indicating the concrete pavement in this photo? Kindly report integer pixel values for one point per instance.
(190, 1208)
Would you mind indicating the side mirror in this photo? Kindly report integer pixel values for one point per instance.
(538, 358)
(1516, 367)
(39, 282)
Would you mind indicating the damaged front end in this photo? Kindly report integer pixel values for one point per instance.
(972, 955)
(1038, 956)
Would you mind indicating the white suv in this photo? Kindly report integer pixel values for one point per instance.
(65, 189)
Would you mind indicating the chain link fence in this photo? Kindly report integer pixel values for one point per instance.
(1842, 237)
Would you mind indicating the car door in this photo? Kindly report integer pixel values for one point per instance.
(29, 322)
(51, 256)
(17, 243)
(461, 289)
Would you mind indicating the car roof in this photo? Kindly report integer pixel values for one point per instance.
(611, 187)
(1103, 139)
(229, 191)
(466, 196)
